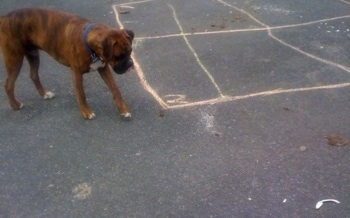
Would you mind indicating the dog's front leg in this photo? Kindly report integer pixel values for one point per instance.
(108, 78)
(79, 88)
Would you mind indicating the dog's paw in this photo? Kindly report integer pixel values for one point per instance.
(126, 115)
(17, 106)
(90, 116)
(21, 105)
(48, 95)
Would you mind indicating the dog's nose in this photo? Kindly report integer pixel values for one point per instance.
(127, 66)
(130, 63)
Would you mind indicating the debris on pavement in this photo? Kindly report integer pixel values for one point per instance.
(320, 203)
(161, 113)
(217, 134)
(302, 148)
(336, 140)
(124, 9)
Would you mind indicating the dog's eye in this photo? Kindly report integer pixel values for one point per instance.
(120, 57)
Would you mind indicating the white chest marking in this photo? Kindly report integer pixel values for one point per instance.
(97, 64)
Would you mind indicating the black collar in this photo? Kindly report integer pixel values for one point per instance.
(93, 54)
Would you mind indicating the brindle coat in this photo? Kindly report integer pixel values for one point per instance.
(24, 32)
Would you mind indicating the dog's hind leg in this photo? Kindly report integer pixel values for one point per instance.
(13, 65)
(34, 62)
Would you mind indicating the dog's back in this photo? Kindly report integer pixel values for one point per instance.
(25, 25)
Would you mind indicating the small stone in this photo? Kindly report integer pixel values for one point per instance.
(217, 134)
(302, 148)
(161, 113)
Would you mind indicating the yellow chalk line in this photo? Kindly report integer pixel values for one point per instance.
(132, 3)
(245, 30)
(233, 98)
(139, 70)
(121, 26)
(310, 22)
(345, 68)
(145, 84)
(345, 2)
(265, 93)
(195, 53)
(244, 12)
(200, 33)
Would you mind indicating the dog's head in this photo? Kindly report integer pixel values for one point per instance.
(117, 48)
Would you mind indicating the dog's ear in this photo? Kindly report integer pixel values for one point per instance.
(130, 34)
(107, 48)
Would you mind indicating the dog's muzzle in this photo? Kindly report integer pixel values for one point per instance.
(125, 67)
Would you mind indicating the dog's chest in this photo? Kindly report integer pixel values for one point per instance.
(96, 64)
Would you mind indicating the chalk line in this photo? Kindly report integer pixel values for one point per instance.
(132, 3)
(223, 98)
(265, 93)
(345, 68)
(195, 53)
(139, 70)
(346, 2)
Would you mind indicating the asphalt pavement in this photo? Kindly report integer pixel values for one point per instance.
(240, 109)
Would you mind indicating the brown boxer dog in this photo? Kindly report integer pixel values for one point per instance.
(71, 40)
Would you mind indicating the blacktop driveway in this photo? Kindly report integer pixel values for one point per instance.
(231, 100)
